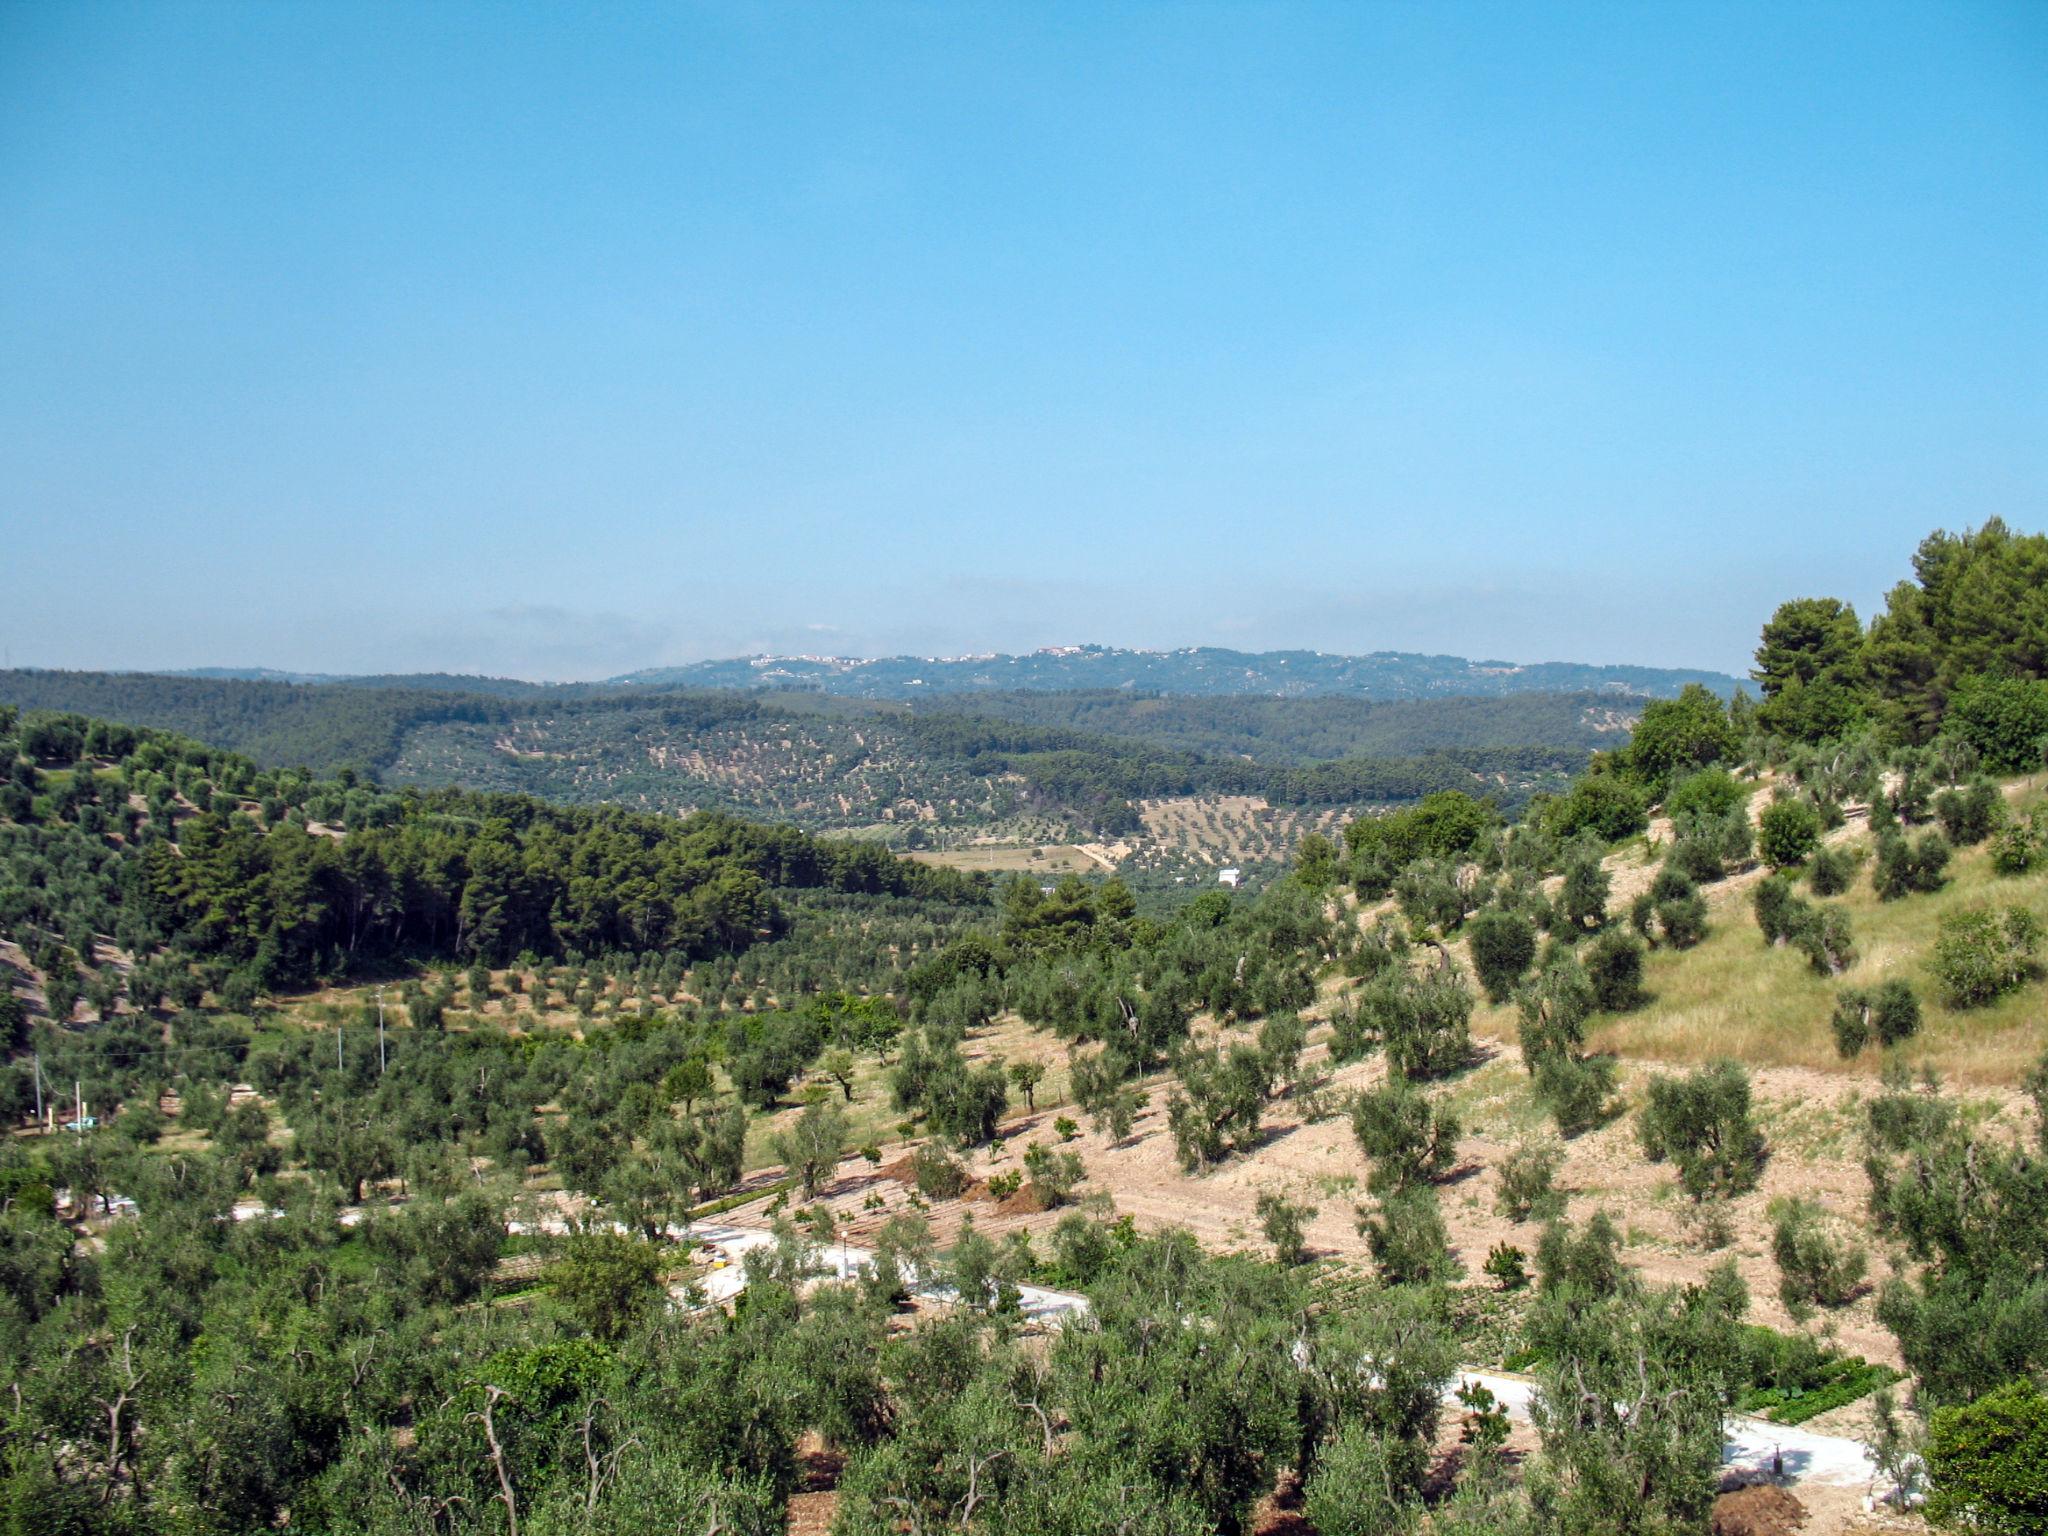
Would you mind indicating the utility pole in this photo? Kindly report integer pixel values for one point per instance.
(39, 1089)
(78, 1105)
(380, 1031)
(337, 1045)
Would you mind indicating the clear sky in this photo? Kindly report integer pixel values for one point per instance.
(557, 340)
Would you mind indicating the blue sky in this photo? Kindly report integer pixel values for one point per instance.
(559, 340)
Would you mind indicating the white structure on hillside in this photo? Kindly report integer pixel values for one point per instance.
(1231, 877)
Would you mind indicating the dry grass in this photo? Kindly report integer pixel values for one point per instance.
(1049, 859)
(1734, 996)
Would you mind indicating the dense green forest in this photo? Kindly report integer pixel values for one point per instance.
(429, 1273)
(1326, 727)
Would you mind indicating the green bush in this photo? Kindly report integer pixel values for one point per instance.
(1903, 869)
(1833, 871)
(1503, 948)
(1894, 1012)
(938, 1176)
(1409, 1137)
(1672, 911)
(1827, 939)
(1710, 792)
(2004, 718)
(1987, 1462)
(1814, 1268)
(1788, 831)
(1577, 1091)
(1779, 911)
(2017, 847)
(1407, 1238)
(1971, 814)
(1888, 1014)
(1508, 1266)
(1283, 1221)
(1701, 1123)
(1004, 1185)
(1607, 807)
(1356, 1489)
(1527, 1177)
(1614, 964)
(1981, 955)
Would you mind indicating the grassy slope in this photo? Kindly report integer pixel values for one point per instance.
(1734, 996)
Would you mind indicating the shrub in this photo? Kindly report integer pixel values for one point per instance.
(1701, 1123)
(1578, 1091)
(1281, 1039)
(2004, 718)
(1508, 1266)
(1215, 1109)
(1904, 868)
(1987, 1462)
(1004, 1185)
(1409, 1137)
(1894, 1013)
(966, 1103)
(1054, 1175)
(1582, 900)
(1826, 938)
(812, 1147)
(1981, 955)
(1356, 1487)
(1407, 1238)
(1503, 948)
(607, 1281)
(1676, 908)
(1833, 871)
(1971, 814)
(1601, 804)
(1614, 964)
(1282, 1221)
(1710, 792)
(1707, 845)
(1066, 1128)
(1814, 1269)
(1851, 1022)
(938, 1176)
(1555, 1008)
(1778, 911)
(1909, 801)
(1787, 832)
(1526, 1182)
(1424, 1023)
(1430, 896)
(2016, 849)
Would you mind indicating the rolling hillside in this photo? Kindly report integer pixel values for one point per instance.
(1026, 768)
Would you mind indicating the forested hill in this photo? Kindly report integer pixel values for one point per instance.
(1030, 764)
(183, 851)
(1202, 670)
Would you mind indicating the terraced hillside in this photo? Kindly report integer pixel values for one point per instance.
(814, 770)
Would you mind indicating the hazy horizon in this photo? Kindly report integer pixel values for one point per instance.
(309, 673)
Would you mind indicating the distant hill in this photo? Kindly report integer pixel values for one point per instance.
(1028, 764)
(431, 682)
(1201, 670)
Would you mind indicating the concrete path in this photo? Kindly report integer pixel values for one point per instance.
(1749, 1445)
